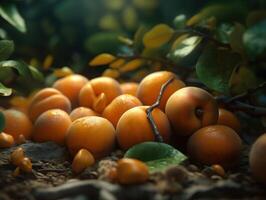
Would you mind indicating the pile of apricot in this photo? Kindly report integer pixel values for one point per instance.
(91, 116)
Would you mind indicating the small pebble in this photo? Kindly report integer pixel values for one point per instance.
(193, 168)
(216, 177)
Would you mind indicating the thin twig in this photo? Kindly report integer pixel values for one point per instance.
(247, 94)
(247, 108)
(157, 135)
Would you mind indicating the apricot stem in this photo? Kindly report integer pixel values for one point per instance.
(157, 135)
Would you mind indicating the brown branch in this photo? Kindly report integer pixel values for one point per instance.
(157, 135)
(247, 94)
(247, 108)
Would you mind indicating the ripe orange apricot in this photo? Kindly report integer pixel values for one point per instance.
(6, 140)
(87, 96)
(16, 123)
(96, 134)
(46, 99)
(81, 112)
(149, 88)
(52, 125)
(109, 86)
(257, 159)
(129, 88)
(227, 118)
(118, 106)
(131, 171)
(70, 86)
(191, 108)
(82, 160)
(133, 127)
(17, 156)
(215, 144)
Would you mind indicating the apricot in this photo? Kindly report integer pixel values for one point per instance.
(6, 140)
(100, 103)
(46, 99)
(17, 156)
(129, 88)
(96, 134)
(118, 106)
(190, 109)
(109, 86)
(86, 96)
(82, 160)
(215, 144)
(25, 165)
(257, 159)
(81, 112)
(52, 125)
(131, 171)
(16, 123)
(149, 88)
(133, 127)
(70, 86)
(227, 118)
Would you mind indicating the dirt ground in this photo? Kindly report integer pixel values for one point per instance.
(52, 178)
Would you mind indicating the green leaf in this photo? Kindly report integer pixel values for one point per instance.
(21, 67)
(36, 74)
(103, 42)
(254, 40)
(2, 121)
(4, 91)
(215, 66)
(157, 156)
(180, 21)
(10, 13)
(236, 39)
(185, 47)
(242, 79)
(6, 49)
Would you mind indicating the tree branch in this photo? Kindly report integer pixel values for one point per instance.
(157, 135)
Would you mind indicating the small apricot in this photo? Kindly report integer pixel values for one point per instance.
(118, 106)
(96, 134)
(132, 171)
(150, 87)
(81, 112)
(70, 86)
(100, 103)
(26, 165)
(227, 118)
(82, 160)
(6, 140)
(17, 156)
(190, 109)
(257, 159)
(86, 96)
(133, 127)
(16, 123)
(52, 125)
(215, 144)
(129, 88)
(21, 139)
(109, 86)
(218, 169)
(46, 99)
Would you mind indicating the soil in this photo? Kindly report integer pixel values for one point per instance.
(52, 178)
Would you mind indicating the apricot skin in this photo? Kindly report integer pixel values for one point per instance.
(182, 106)
(93, 133)
(70, 86)
(118, 106)
(46, 99)
(133, 127)
(16, 123)
(86, 96)
(131, 171)
(215, 144)
(257, 159)
(129, 88)
(227, 118)
(109, 86)
(81, 112)
(52, 125)
(149, 88)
